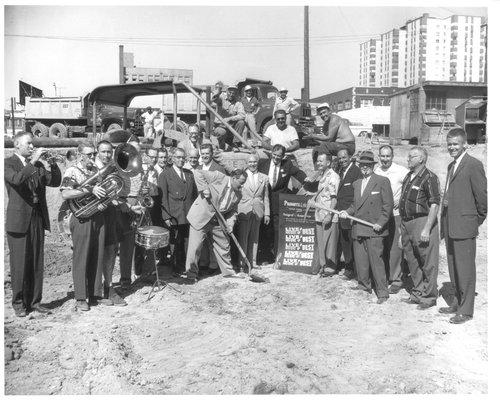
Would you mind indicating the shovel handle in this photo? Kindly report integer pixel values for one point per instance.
(361, 221)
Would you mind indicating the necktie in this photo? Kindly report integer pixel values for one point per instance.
(448, 178)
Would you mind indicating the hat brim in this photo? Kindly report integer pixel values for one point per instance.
(366, 162)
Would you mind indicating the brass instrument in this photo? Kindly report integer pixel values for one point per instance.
(51, 157)
(126, 160)
(145, 199)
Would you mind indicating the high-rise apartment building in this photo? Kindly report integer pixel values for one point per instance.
(427, 48)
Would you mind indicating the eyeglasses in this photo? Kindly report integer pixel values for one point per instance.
(179, 157)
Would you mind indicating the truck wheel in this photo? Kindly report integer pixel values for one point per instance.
(113, 127)
(181, 126)
(40, 130)
(266, 125)
(58, 130)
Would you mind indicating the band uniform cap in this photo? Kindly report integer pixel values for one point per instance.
(323, 105)
(366, 157)
(248, 87)
(283, 89)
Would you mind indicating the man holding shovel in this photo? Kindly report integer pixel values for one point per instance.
(218, 195)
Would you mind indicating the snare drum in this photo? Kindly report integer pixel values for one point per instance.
(152, 237)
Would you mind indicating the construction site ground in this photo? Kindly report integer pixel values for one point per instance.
(295, 334)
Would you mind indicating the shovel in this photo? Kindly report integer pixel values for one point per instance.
(222, 223)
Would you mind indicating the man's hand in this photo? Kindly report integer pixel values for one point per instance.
(335, 218)
(101, 207)
(310, 202)
(35, 156)
(267, 220)
(168, 222)
(424, 236)
(229, 229)
(377, 228)
(206, 194)
(344, 214)
(327, 220)
(99, 192)
(137, 209)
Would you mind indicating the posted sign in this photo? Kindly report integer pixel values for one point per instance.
(296, 241)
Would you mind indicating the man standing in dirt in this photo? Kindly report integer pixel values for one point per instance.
(372, 203)
(349, 173)
(393, 255)
(27, 218)
(232, 112)
(105, 269)
(336, 134)
(418, 205)
(222, 192)
(464, 209)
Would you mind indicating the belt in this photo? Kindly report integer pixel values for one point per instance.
(411, 218)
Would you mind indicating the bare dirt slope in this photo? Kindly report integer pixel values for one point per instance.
(295, 334)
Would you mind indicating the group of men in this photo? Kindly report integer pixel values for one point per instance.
(383, 215)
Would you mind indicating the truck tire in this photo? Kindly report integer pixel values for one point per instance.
(40, 130)
(58, 130)
(266, 125)
(113, 127)
(181, 126)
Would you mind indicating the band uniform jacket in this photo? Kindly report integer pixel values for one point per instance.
(285, 172)
(20, 206)
(375, 206)
(467, 199)
(202, 211)
(345, 193)
(255, 198)
(177, 195)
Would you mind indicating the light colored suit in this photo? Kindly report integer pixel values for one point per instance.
(253, 206)
(204, 223)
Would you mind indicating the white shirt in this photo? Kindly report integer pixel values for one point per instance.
(457, 161)
(206, 167)
(158, 169)
(347, 169)
(273, 168)
(253, 178)
(396, 174)
(179, 172)
(364, 182)
(283, 137)
(22, 158)
(148, 118)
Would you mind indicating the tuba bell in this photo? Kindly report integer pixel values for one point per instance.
(126, 160)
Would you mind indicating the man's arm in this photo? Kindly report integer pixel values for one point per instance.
(294, 146)
(387, 202)
(479, 190)
(333, 128)
(240, 113)
(293, 105)
(16, 178)
(50, 178)
(431, 218)
(297, 173)
(267, 210)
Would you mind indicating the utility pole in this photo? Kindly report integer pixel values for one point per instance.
(121, 75)
(13, 110)
(55, 89)
(305, 94)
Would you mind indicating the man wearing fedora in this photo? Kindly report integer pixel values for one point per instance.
(373, 202)
(335, 135)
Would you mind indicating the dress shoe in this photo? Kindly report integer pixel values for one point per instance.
(447, 310)
(125, 285)
(381, 300)
(190, 280)
(212, 272)
(425, 306)
(394, 289)
(97, 300)
(41, 309)
(329, 272)
(359, 287)
(20, 312)
(409, 300)
(116, 298)
(460, 319)
(82, 305)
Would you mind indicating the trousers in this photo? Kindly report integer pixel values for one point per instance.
(368, 257)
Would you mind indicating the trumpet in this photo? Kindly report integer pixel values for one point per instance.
(52, 157)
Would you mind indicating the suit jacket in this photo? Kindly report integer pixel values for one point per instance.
(375, 206)
(286, 171)
(254, 198)
(467, 199)
(201, 211)
(345, 194)
(20, 206)
(177, 196)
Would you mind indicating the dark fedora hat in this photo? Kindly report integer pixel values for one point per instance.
(366, 157)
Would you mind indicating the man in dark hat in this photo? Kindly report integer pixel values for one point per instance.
(373, 202)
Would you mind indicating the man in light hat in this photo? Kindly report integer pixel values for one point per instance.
(251, 106)
(285, 103)
(335, 135)
(232, 112)
(373, 202)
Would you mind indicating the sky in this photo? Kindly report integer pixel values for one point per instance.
(76, 47)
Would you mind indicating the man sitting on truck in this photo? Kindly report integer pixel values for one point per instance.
(251, 106)
(285, 103)
(232, 112)
(335, 135)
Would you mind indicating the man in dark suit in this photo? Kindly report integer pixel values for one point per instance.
(178, 190)
(27, 218)
(348, 172)
(373, 202)
(279, 172)
(464, 210)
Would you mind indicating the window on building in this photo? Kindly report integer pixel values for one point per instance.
(340, 106)
(347, 105)
(366, 102)
(435, 100)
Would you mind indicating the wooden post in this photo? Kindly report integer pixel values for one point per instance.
(208, 116)
(174, 106)
(12, 110)
(121, 75)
